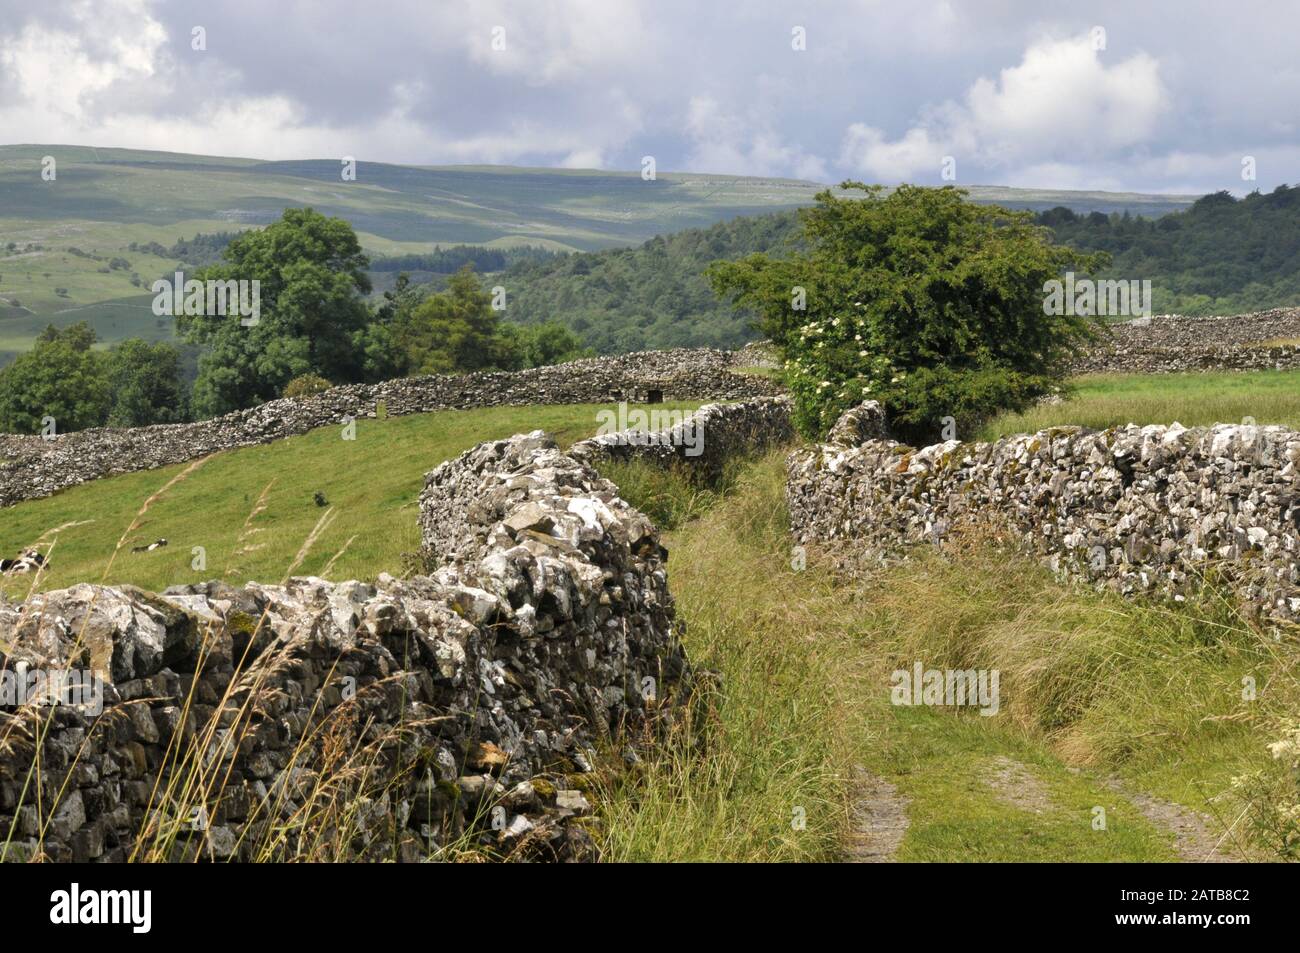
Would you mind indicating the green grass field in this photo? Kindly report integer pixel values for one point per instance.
(251, 509)
(1111, 400)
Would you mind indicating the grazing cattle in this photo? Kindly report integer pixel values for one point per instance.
(156, 544)
(30, 561)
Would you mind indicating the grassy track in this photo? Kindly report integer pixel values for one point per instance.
(1096, 693)
(251, 509)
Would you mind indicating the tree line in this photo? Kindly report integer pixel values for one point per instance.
(1223, 255)
(315, 327)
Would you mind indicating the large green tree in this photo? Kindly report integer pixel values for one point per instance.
(145, 382)
(453, 331)
(314, 318)
(541, 345)
(930, 303)
(61, 378)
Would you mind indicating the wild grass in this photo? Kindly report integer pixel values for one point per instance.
(1175, 700)
(761, 370)
(248, 511)
(1094, 690)
(757, 772)
(671, 496)
(1111, 400)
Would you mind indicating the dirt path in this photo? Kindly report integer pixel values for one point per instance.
(1193, 839)
(1015, 784)
(879, 821)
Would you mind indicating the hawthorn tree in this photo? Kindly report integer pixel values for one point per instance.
(920, 299)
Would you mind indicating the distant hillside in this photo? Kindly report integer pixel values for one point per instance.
(72, 258)
(649, 297)
(104, 200)
(1221, 256)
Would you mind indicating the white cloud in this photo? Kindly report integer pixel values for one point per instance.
(866, 149)
(55, 74)
(1013, 91)
(1061, 104)
(723, 141)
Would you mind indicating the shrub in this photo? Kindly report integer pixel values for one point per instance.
(921, 299)
(304, 385)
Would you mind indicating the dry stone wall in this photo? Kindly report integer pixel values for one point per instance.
(703, 441)
(454, 705)
(31, 467)
(1170, 343)
(464, 706)
(1139, 509)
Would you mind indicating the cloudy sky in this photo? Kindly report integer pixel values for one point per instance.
(1148, 95)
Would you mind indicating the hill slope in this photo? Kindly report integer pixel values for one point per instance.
(635, 299)
(68, 231)
(251, 509)
(1221, 256)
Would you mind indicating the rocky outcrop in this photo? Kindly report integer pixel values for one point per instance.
(1171, 343)
(31, 467)
(1139, 509)
(317, 719)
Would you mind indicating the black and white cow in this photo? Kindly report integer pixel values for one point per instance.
(30, 561)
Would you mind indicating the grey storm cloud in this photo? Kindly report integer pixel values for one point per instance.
(1158, 96)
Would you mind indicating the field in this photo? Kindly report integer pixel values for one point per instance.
(251, 509)
(1126, 711)
(1193, 400)
(102, 200)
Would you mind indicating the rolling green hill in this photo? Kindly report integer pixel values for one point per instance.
(102, 200)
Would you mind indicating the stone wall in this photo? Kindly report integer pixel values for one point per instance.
(464, 704)
(756, 354)
(1139, 509)
(1170, 343)
(703, 441)
(31, 467)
